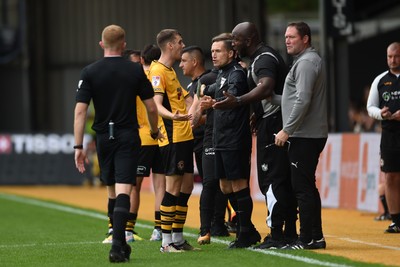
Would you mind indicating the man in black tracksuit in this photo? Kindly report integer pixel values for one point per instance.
(232, 138)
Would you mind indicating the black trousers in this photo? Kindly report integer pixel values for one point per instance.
(303, 155)
(273, 169)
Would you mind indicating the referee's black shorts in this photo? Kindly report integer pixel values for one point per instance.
(118, 157)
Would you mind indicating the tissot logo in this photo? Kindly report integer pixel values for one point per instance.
(5, 144)
(38, 143)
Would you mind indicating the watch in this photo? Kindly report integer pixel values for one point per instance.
(78, 146)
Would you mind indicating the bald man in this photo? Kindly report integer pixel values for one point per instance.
(384, 105)
(266, 75)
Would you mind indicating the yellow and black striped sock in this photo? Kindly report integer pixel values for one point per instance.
(110, 211)
(181, 213)
(130, 224)
(167, 212)
(157, 220)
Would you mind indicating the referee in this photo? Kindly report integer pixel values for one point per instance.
(113, 84)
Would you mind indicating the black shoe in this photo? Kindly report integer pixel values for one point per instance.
(220, 230)
(122, 255)
(393, 229)
(231, 227)
(318, 244)
(298, 244)
(270, 243)
(254, 237)
(383, 217)
(239, 244)
(246, 240)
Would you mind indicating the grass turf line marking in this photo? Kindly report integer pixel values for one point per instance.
(103, 217)
(363, 242)
(50, 244)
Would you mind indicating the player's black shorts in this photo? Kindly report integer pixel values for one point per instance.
(178, 158)
(390, 151)
(208, 164)
(149, 159)
(118, 157)
(232, 164)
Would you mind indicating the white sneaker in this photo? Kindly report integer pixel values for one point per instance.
(171, 248)
(156, 235)
(129, 237)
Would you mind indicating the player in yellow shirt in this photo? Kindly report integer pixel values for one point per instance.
(173, 103)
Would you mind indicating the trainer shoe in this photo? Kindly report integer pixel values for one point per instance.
(204, 239)
(156, 235)
(231, 227)
(171, 248)
(270, 243)
(219, 230)
(254, 236)
(108, 239)
(246, 240)
(299, 245)
(185, 246)
(318, 244)
(122, 255)
(383, 217)
(137, 237)
(129, 237)
(393, 229)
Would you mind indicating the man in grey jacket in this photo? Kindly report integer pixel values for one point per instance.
(305, 130)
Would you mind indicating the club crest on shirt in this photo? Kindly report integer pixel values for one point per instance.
(222, 82)
(179, 92)
(155, 80)
(386, 96)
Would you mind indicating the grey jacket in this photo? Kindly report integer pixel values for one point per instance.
(304, 103)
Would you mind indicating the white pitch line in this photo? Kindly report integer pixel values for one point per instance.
(51, 244)
(364, 243)
(103, 217)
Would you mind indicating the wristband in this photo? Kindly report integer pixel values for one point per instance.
(78, 146)
(154, 135)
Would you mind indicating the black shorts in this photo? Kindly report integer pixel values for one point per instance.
(178, 158)
(390, 151)
(232, 164)
(149, 159)
(118, 157)
(208, 164)
(273, 166)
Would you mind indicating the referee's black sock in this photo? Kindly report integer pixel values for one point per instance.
(120, 217)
